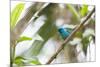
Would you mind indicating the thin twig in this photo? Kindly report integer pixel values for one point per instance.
(70, 36)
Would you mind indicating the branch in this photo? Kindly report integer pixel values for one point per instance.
(70, 36)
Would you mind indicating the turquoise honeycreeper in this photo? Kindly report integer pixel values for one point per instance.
(64, 32)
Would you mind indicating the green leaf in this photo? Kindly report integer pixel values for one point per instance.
(16, 12)
(48, 30)
(34, 49)
(24, 38)
(79, 34)
(73, 10)
(85, 42)
(86, 38)
(35, 62)
(19, 60)
(84, 10)
(19, 57)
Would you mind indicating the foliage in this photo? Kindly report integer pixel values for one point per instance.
(48, 29)
(74, 11)
(84, 10)
(15, 14)
(24, 38)
(21, 61)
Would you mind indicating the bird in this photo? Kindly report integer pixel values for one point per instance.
(63, 29)
(64, 32)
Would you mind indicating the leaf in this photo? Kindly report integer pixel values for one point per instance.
(86, 38)
(49, 28)
(73, 10)
(16, 12)
(47, 31)
(34, 49)
(89, 32)
(85, 42)
(19, 60)
(35, 62)
(79, 34)
(84, 10)
(24, 38)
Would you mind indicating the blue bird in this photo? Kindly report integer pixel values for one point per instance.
(64, 32)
